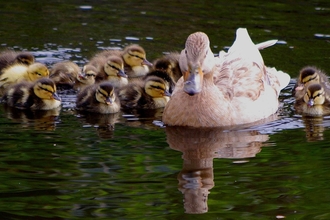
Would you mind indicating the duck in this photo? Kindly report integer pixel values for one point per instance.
(20, 72)
(110, 68)
(235, 88)
(11, 57)
(98, 98)
(65, 73)
(135, 61)
(170, 64)
(38, 95)
(85, 78)
(150, 92)
(309, 75)
(315, 101)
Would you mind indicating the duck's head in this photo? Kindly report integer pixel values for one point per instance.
(195, 61)
(88, 75)
(25, 58)
(157, 87)
(37, 71)
(45, 88)
(135, 55)
(105, 93)
(115, 67)
(314, 95)
(307, 76)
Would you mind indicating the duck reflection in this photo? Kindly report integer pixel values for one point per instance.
(39, 119)
(199, 147)
(104, 123)
(314, 128)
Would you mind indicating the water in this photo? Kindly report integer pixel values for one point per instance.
(68, 165)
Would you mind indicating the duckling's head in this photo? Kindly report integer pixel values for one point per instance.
(45, 88)
(25, 58)
(307, 76)
(135, 55)
(115, 67)
(157, 87)
(37, 71)
(105, 93)
(314, 95)
(88, 75)
(195, 61)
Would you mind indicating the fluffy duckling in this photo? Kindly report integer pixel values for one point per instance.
(99, 98)
(308, 75)
(315, 101)
(39, 95)
(170, 64)
(10, 57)
(110, 68)
(65, 73)
(151, 92)
(86, 78)
(20, 72)
(134, 56)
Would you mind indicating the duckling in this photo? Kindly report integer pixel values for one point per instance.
(86, 78)
(99, 98)
(170, 64)
(151, 92)
(64, 73)
(307, 76)
(39, 95)
(10, 57)
(134, 56)
(20, 72)
(110, 68)
(315, 101)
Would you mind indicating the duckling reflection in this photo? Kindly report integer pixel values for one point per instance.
(314, 128)
(199, 147)
(103, 123)
(38, 119)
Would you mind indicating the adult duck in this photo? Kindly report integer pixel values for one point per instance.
(232, 89)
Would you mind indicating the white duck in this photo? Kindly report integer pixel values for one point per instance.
(232, 89)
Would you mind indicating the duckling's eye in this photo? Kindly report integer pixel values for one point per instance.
(309, 79)
(88, 75)
(39, 74)
(45, 89)
(99, 91)
(114, 67)
(133, 55)
(157, 87)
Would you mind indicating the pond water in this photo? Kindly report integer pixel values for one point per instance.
(67, 165)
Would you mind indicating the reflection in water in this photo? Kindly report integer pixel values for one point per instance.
(199, 147)
(104, 123)
(314, 128)
(40, 120)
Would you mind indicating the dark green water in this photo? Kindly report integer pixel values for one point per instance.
(75, 166)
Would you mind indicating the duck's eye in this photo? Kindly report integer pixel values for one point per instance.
(185, 51)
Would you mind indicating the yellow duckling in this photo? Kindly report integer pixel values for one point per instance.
(134, 56)
(233, 89)
(315, 101)
(151, 92)
(110, 68)
(10, 57)
(86, 78)
(20, 72)
(308, 75)
(39, 95)
(99, 98)
(65, 73)
(170, 64)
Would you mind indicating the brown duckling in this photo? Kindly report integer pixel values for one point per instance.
(151, 92)
(20, 72)
(308, 75)
(99, 98)
(170, 64)
(86, 78)
(135, 61)
(10, 57)
(65, 73)
(39, 95)
(110, 68)
(315, 101)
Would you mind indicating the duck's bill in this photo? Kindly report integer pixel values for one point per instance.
(122, 74)
(193, 81)
(146, 62)
(56, 96)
